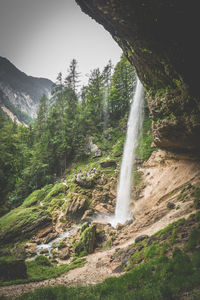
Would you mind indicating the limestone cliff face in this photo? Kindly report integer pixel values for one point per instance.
(160, 40)
(20, 91)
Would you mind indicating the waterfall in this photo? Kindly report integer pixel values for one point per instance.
(134, 126)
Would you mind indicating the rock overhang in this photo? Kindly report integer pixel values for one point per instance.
(160, 39)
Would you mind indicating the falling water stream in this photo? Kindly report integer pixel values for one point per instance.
(134, 127)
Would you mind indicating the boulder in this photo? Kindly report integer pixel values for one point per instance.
(170, 205)
(76, 208)
(64, 254)
(118, 154)
(43, 232)
(118, 269)
(87, 217)
(151, 240)
(141, 238)
(31, 249)
(44, 251)
(108, 163)
(86, 242)
(26, 230)
(97, 154)
(101, 208)
(50, 237)
(119, 226)
(85, 182)
(90, 147)
(13, 269)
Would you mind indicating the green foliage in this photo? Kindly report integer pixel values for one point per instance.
(7, 258)
(18, 218)
(13, 156)
(137, 178)
(83, 245)
(42, 260)
(32, 157)
(38, 204)
(40, 271)
(21, 116)
(41, 268)
(170, 227)
(144, 148)
(194, 239)
(58, 190)
(174, 236)
(160, 278)
(37, 196)
(196, 195)
(61, 245)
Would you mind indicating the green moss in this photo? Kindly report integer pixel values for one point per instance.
(157, 277)
(118, 146)
(84, 242)
(41, 268)
(61, 245)
(181, 196)
(19, 217)
(152, 251)
(42, 260)
(144, 148)
(196, 196)
(57, 191)
(137, 179)
(170, 227)
(172, 117)
(194, 240)
(37, 196)
(7, 258)
(109, 244)
(161, 278)
(144, 50)
(174, 236)
(55, 204)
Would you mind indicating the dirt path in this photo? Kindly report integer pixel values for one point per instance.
(98, 267)
(163, 183)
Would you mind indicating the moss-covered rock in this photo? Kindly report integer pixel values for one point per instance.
(86, 243)
(22, 222)
(108, 163)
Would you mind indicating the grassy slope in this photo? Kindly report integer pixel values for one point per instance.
(166, 272)
(41, 268)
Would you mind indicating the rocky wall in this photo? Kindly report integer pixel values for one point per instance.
(159, 37)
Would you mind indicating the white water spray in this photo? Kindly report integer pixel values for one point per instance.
(134, 126)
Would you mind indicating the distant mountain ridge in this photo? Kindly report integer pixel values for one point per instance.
(20, 92)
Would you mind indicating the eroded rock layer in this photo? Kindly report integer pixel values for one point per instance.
(160, 40)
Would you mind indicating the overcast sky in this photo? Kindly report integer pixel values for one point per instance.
(41, 37)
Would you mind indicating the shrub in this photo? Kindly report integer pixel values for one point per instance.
(42, 260)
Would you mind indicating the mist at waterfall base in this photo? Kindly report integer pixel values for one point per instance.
(134, 128)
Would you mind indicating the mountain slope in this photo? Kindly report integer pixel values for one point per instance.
(19, 91)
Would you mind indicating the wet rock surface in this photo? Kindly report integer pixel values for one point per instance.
(108, 163)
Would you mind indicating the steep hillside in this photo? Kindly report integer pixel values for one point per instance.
(20, 94)
(164, 234)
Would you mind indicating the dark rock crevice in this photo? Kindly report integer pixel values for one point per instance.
(160, 39)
